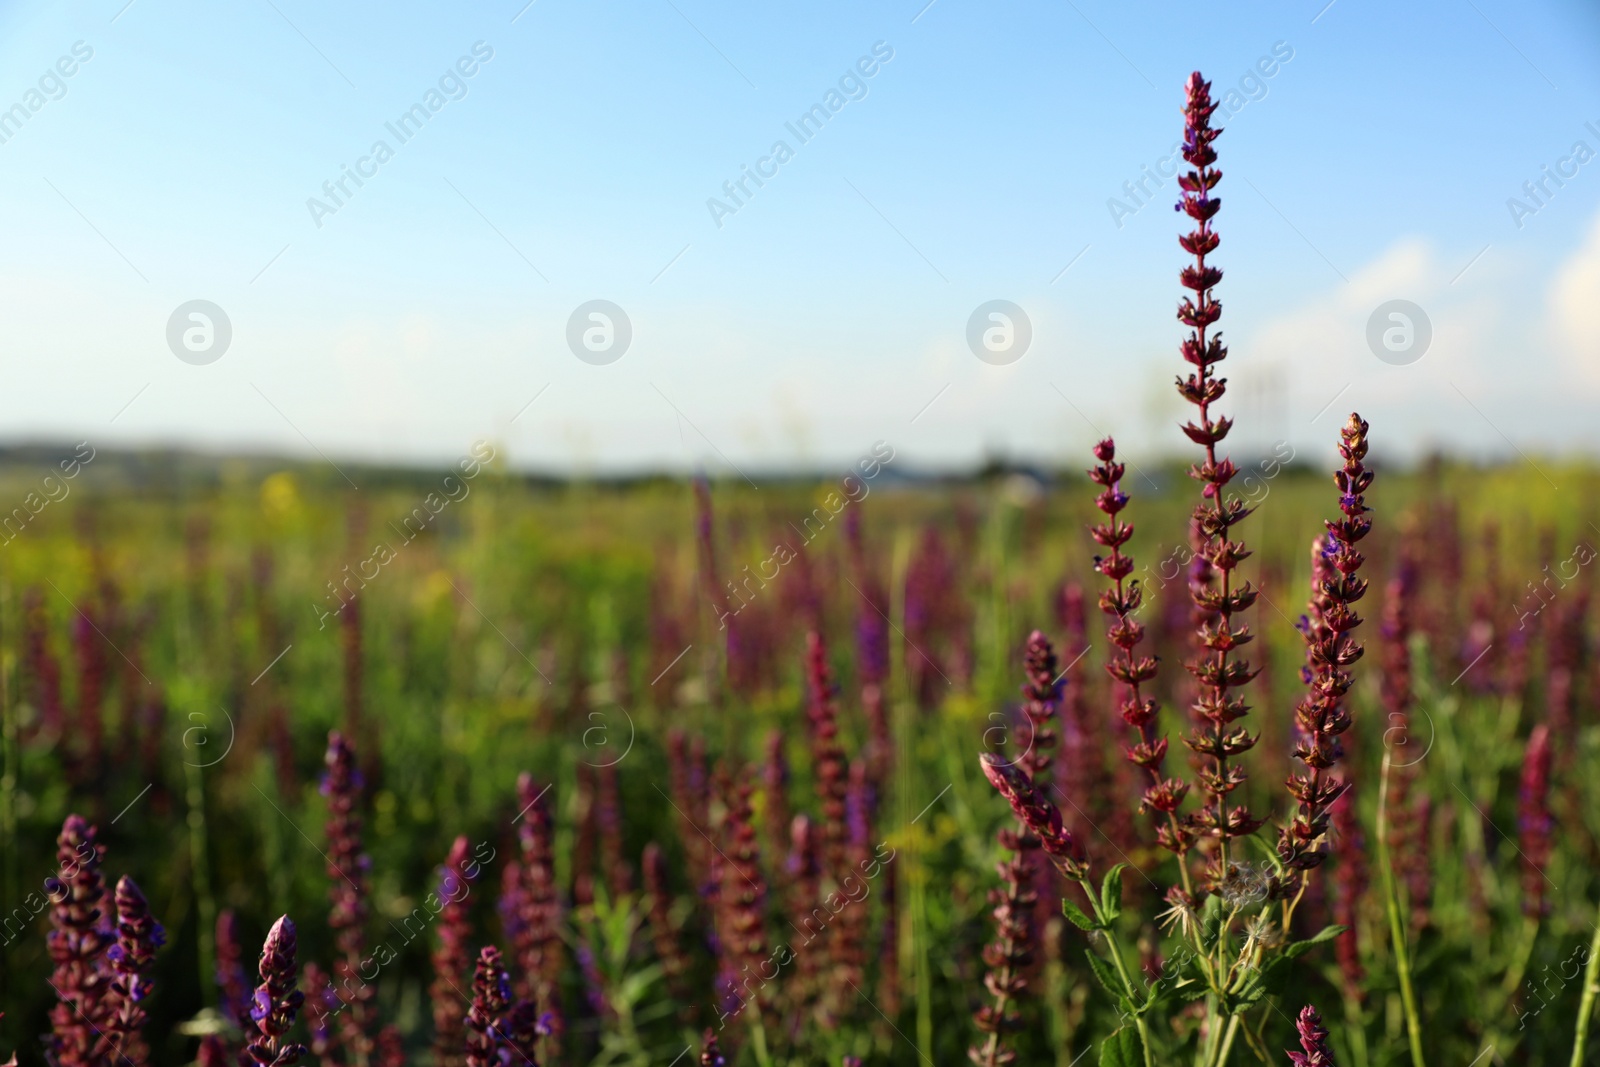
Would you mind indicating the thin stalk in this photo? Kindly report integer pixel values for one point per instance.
(1058, 1015)
(272, 840)
(758, 1039)
(1205, 1054)
(1356, 1032)
(1519, 962)
(1591, 987)
(1397, 932)
(1256, 1043)
(1227, 1039)
(1117, 961)
(1456, 771)
(915, 944)
(205, 904)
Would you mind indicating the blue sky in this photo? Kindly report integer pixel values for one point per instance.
(830, 310)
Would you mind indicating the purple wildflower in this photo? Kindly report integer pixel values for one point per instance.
(232, 979)
(827, 756)
(1321, 714)
(138, 937)
(539, 950)
(1162, 795)
(1313, 1040)
(276, 1001)
(741, 921)
(1534, 821)
(347, 891)
(77, 940)
(663, 931)
(1217, 671)
(491, 997)
(711, 1052)
(1037, 814)
(1009, 955)
(452, 957)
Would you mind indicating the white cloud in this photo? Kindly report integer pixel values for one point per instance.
(1575, 309)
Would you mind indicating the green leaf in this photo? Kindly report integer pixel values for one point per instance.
(1079, 919)
(1297, 949)
(1111, 893)
(1108, 977)
(1255, 985)
(1122, 1049)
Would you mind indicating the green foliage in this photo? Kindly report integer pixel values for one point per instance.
(491, 641)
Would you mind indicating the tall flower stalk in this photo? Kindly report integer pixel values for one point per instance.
(491, 999)
(804, 871)
(743, 900)
(1535, 823)
(1408, 815)
(1041, 820)
(675, 965)
(138, 937)
(452, 957)
(1041, 702)
(1321, 714)
(775, 794)
(321, 1003)
(1162, 795)
(1010, 954)
(1349, 890)
(827, 755)
(1218, 671)
(232, 980)
(539, 946)
(78, 938)
(347, 892)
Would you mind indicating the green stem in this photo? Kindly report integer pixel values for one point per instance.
(1591, 987)
(758, 1039)
(1208, 1049)
(1356, 1031)
(1117, 961)
(1396, 928)
(1519, 962)
(204, 902)
(1227, 1039)
(1254, 1040)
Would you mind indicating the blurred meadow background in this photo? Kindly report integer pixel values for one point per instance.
(172, 671)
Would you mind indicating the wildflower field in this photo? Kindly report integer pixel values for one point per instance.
(1137, 762)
